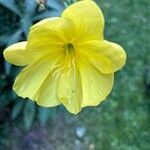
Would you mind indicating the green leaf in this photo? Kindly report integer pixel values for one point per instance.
(29, 114)
(46, 14)
(7, 67)
(69, 2)
(44, 114)
(56, 5)
(26, 21)
(10, 4)
(17, 109)
(30, 7)
(11, 39)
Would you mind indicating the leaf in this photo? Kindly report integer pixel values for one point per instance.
(14, 37)
(69, 2)
(17, 109)
(10, 4)
(10, 39)
(44, 114)
(46, 14)
(56, 5)
(29, 114)
(26, 23)
(30, 6)
(7, 67)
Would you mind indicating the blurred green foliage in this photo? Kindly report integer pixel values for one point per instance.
(16, 19)
(121, 122)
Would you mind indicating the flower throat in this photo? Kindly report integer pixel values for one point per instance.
(69, 51)
(69, 48)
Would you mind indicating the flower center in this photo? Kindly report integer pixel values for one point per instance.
(69, 48)
(69, 51)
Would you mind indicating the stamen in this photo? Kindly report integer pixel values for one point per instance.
(57, 71)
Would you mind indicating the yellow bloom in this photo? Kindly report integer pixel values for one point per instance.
(67, 59)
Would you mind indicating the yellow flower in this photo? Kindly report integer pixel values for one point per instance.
(67, 59)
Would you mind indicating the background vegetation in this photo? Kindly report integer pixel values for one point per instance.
(121, 122)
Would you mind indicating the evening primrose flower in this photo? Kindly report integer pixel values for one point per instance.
(66, 59)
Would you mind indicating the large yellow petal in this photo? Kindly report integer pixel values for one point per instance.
(70, 91)
(90, 55)
(48, 92)
(16, 54)
(88, 19)
(45, 38)
(95, 85)
(48, 32)
(29, 82)
(115, 53)
(112, 51)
